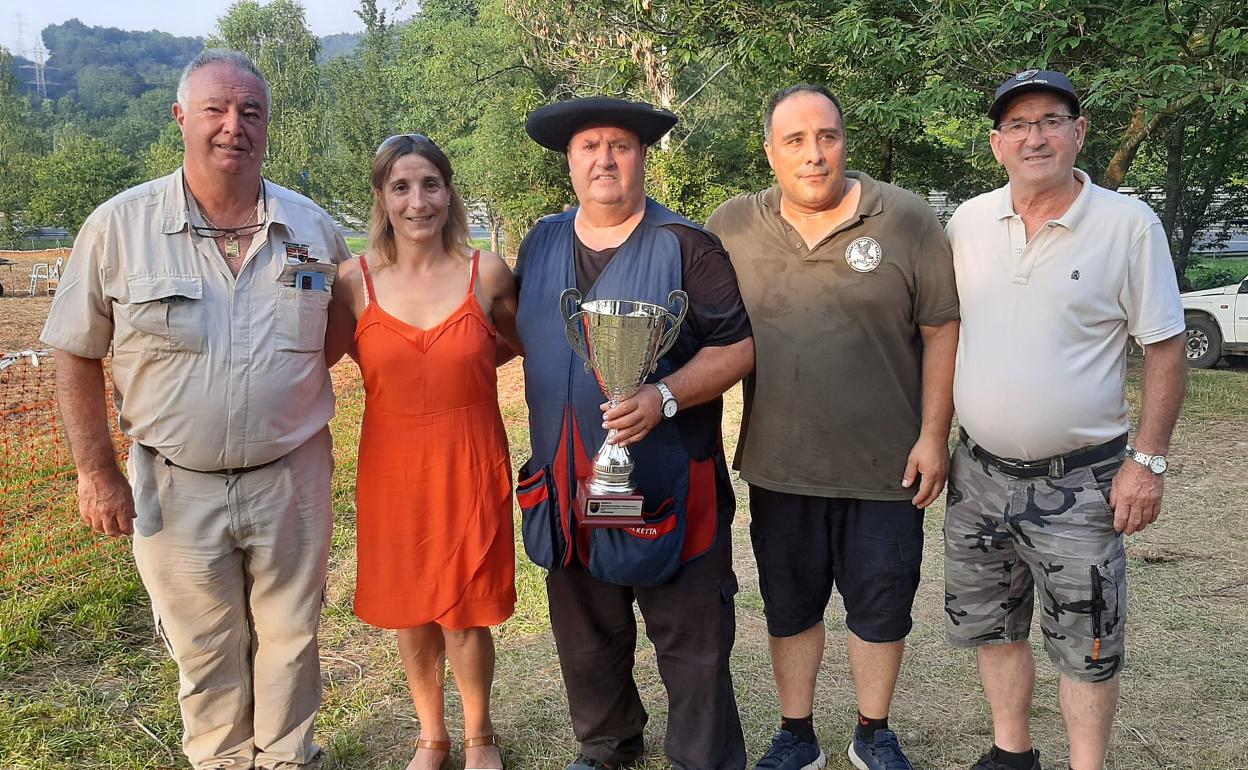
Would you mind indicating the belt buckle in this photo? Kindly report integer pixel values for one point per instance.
(1057, 467)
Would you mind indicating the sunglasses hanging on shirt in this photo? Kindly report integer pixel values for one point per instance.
(232, 234)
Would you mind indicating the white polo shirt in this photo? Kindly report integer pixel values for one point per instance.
(1041, 364)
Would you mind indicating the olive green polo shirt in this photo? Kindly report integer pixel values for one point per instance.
(834, 404)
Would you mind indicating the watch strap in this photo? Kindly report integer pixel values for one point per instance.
(666, 393)
(1147, 460)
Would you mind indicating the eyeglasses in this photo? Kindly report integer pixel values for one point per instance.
(228, 232)
(209, 230)
(1050, 125)
(393, 140)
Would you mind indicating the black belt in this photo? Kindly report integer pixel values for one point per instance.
(1055, 467)
(223, 471)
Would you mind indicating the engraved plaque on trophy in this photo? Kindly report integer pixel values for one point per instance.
(621, 342)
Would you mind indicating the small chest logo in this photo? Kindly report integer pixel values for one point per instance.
(297, 252)
(1074, 276)
(864, 255)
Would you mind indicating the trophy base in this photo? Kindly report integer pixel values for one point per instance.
(598, 510)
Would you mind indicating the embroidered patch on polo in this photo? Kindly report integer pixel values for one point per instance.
(864, 255)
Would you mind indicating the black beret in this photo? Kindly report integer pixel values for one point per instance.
(552, 126)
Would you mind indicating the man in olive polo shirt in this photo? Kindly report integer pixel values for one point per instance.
(844, 440)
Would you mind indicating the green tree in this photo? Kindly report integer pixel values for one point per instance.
(1196, 180)
(164, 155)
(1138, 64)
(466, 84)
(77, 176)
(20, 145)
(366, 109)
(277, 39)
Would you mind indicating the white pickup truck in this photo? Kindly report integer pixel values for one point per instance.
(1217, 323)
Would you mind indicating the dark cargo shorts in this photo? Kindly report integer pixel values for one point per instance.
(871, 550)
(1007, 539)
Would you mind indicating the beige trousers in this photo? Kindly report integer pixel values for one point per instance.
(235, 567)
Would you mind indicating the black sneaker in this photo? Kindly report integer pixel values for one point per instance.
(583, 762)
(987, 762)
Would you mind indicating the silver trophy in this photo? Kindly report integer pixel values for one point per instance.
(621, 342)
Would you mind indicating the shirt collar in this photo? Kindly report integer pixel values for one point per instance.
(176, 206)
(1069, 220)
(174, 211)
(870, 201)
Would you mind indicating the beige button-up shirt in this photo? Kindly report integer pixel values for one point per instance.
(211, 370)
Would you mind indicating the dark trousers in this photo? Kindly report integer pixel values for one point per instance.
(690, 620)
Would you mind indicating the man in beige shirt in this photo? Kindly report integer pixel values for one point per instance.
(210, 286)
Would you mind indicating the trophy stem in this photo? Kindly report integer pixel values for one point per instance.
(613, 470)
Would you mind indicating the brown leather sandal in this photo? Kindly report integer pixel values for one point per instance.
(425, 743)
(484, 740)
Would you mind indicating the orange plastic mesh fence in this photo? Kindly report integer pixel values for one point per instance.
(43, 542)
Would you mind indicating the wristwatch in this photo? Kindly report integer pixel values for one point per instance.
(669, 401)
(1156, 464)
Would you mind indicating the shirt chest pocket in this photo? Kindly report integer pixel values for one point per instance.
(167, 313)
(301, 317)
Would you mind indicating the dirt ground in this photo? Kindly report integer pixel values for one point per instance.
(21, 315)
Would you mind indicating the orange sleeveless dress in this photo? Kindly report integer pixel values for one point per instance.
(433, 487)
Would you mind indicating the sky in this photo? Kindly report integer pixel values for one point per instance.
(195, 18)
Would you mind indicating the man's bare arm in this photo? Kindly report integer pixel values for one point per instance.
(104, 499)
(1136, 492)
(710, 372)
(929, 458)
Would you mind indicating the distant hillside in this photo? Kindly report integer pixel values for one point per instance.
(342, 44)
(103, 68)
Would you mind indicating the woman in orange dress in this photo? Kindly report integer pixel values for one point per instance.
(422, 314)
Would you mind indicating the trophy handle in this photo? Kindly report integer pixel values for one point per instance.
(675, 319)
(569, 308)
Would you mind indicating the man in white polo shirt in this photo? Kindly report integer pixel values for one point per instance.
(1053, 273)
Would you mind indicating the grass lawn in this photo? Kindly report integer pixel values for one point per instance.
(84, 684)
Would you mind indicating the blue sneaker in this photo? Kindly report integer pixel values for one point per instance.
(884, 753)
(788, 753)
(583, 762)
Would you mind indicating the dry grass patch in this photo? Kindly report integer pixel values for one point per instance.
(99, 692)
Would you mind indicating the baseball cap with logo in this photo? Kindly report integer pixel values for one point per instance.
(1032, 80)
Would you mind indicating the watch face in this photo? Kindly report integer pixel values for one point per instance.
(669, 408)
(1157, 465)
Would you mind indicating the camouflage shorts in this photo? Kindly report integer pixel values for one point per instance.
(1006, 537)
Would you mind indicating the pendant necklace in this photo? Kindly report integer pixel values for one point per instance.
(232, 249)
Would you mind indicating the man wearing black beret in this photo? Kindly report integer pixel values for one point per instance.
(617, 244)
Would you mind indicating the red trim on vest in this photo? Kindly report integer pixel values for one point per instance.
(559, 466)
(537, 494)
(584, 467)
(701, 508)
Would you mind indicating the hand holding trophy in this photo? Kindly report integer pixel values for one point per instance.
(621, 342)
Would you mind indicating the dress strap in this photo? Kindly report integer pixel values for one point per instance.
(472, 279)
(368, 282)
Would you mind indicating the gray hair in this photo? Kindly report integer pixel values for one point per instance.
(210, 56)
